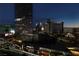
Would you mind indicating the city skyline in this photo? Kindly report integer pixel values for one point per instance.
(61, 11)
(42, 29)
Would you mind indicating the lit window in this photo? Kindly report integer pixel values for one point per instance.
(18, 19)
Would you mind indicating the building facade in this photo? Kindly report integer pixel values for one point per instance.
(68, 30)
(53, 27)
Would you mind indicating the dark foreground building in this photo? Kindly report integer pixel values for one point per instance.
(23, 17)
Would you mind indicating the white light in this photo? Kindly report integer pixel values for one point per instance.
(69, 35)
(18, 19)
(42, 28)
(19, 41)
(6, 34)
(12, 31)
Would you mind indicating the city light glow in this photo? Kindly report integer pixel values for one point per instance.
(19, 41)
(42, 28)
(12, 31)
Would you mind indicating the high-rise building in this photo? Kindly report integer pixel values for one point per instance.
(53, 27)
(50, 27)
(23, 18)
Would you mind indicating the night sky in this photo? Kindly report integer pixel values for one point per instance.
(69, 13)
(7, 13)
(23, 9)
